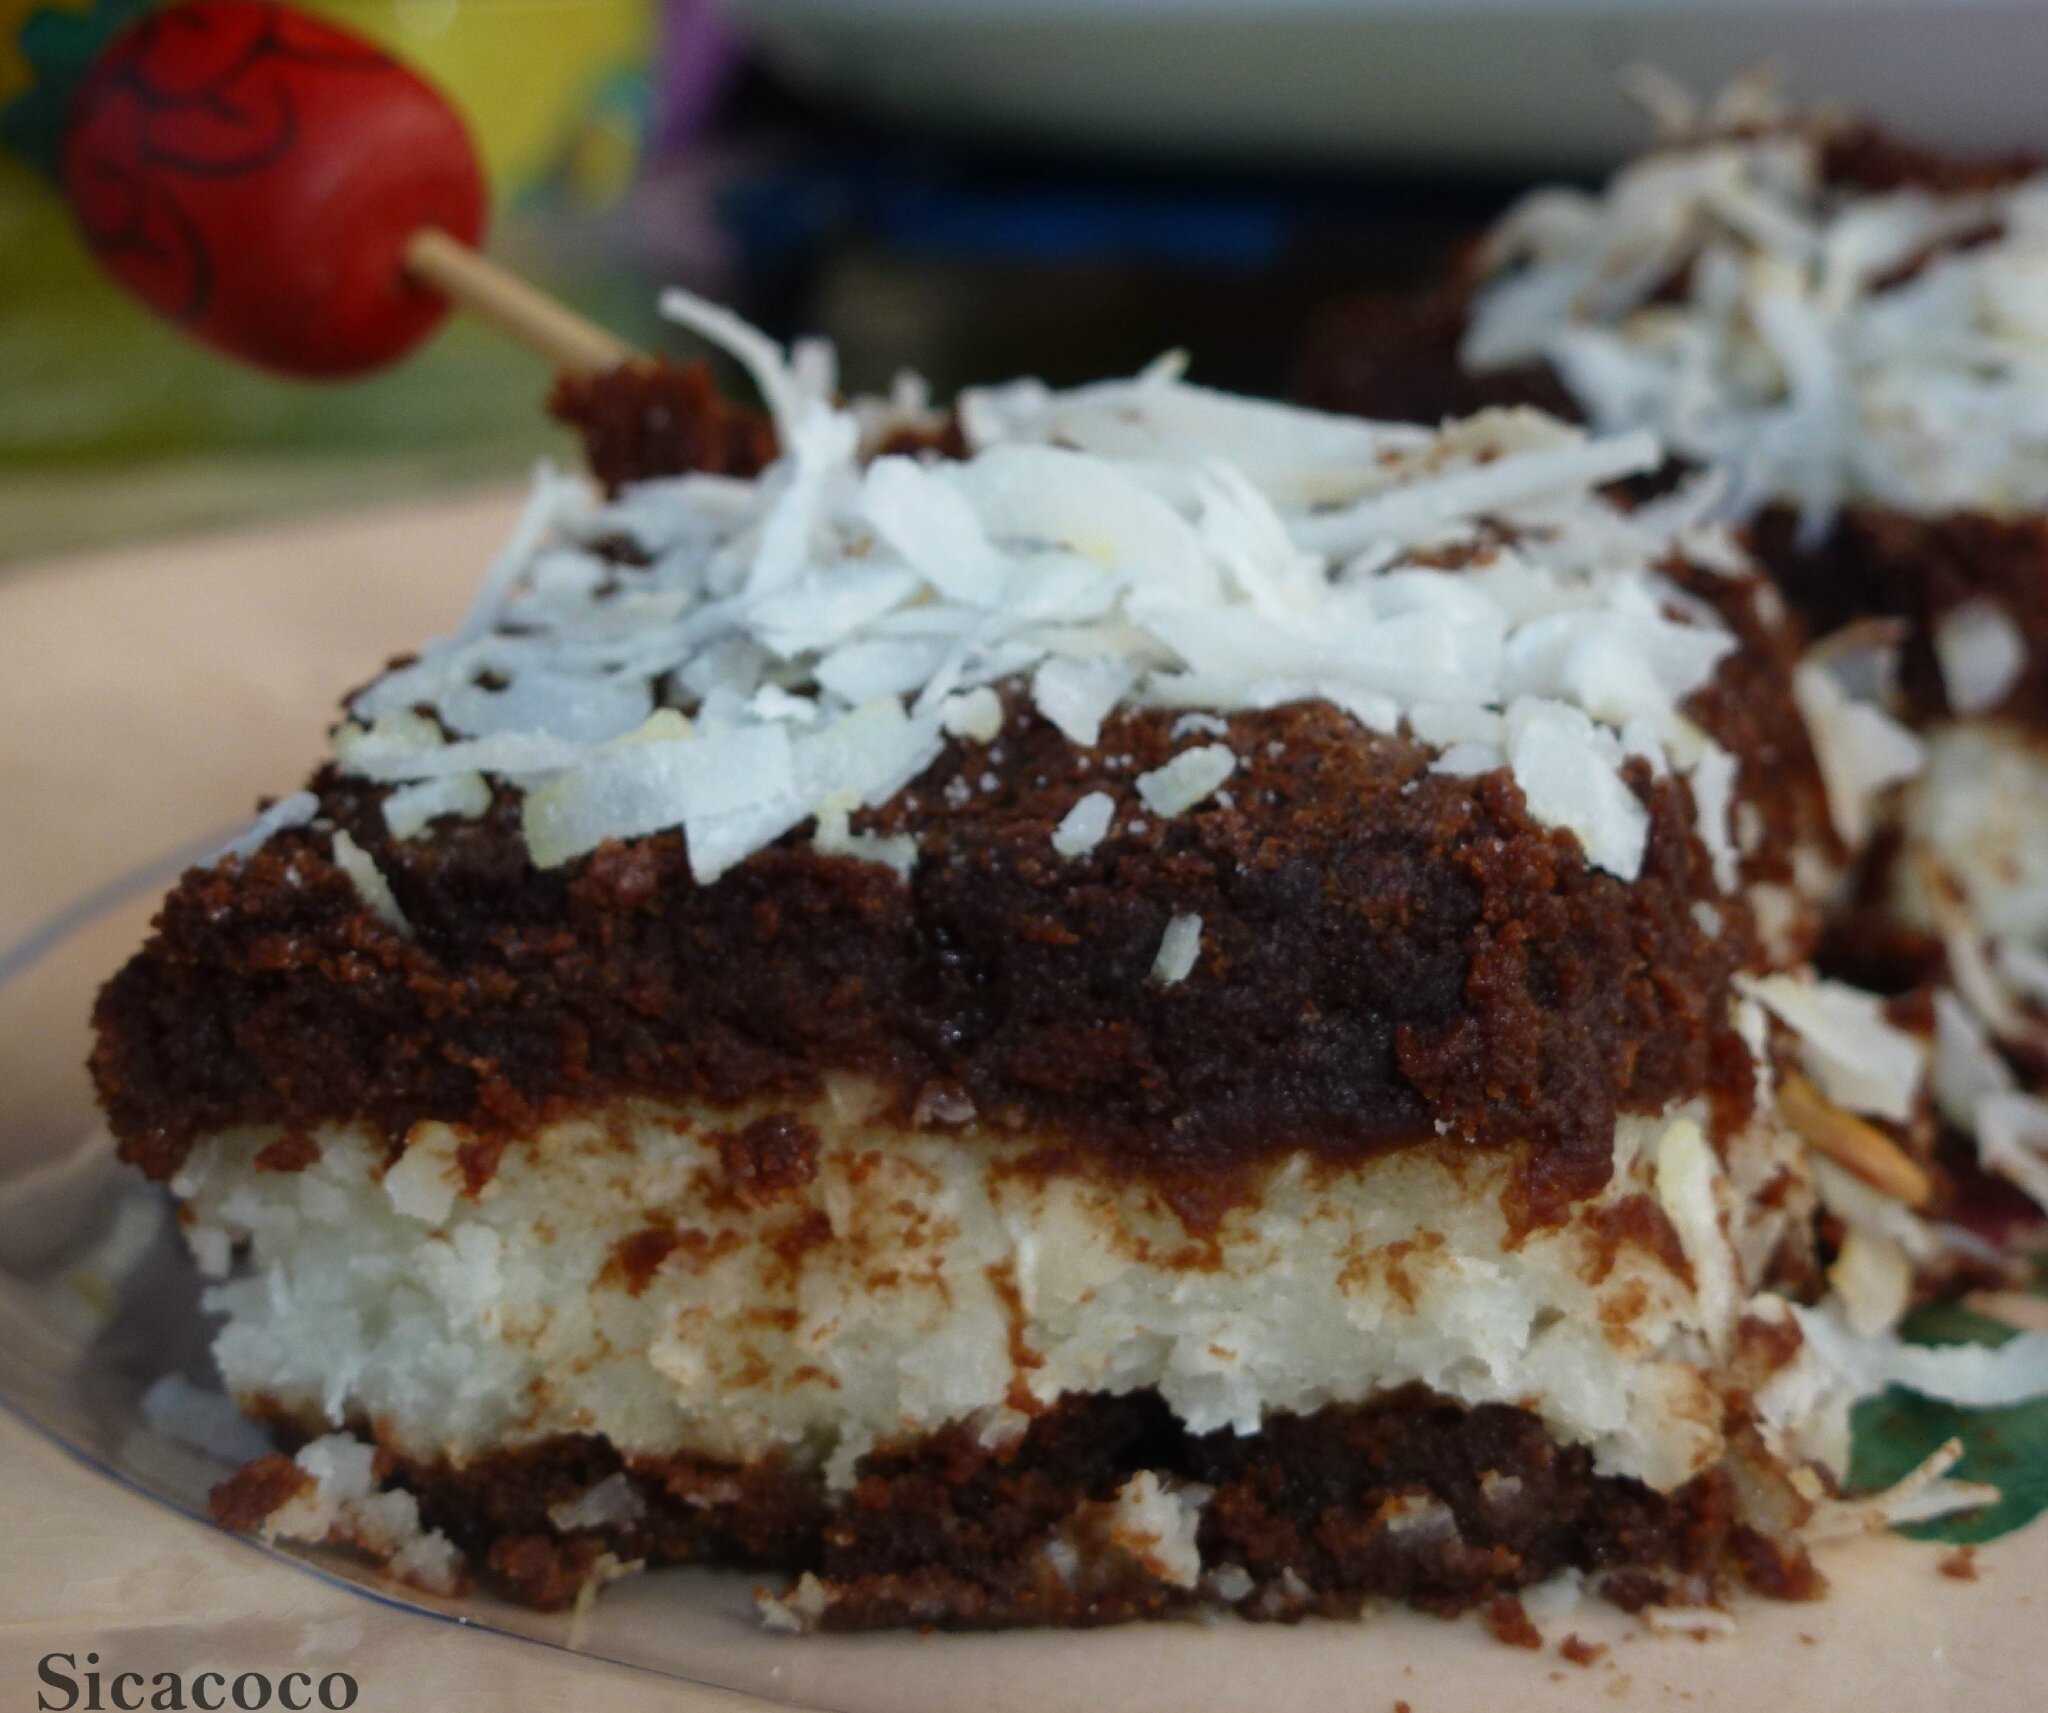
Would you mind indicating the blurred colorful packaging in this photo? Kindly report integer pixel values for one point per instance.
(556, 91)
(558, 96)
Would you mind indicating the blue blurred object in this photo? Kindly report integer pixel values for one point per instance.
(907, 206)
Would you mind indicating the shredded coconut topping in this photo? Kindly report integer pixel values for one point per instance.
(816, 633)
(1821, 343)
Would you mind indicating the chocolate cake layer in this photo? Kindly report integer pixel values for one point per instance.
(1390, 954)
(1410, 1497)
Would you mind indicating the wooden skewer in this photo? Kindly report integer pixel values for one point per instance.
(508, 303)
(1851, 1143)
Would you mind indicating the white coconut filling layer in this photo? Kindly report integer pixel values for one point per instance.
(945, 1281)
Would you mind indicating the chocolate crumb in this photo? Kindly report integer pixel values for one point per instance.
(294, 1151)
(242, 1502)
(636, 1258)
(1509, 1621)
(1582, 1652)
(653, 417)
(770, 1156)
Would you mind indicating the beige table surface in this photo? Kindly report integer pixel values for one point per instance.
(146, 698)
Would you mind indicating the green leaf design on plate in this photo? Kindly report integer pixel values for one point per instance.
(2008, 1447)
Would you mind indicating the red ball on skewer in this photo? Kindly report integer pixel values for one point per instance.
(257, 175)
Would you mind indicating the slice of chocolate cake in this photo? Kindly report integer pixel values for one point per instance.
(1119, 1000)
(1850, 334)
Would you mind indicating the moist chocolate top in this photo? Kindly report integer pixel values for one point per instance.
(1387, 955)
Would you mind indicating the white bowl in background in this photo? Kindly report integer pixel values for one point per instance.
(1513, 85)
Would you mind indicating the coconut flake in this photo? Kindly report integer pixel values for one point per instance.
(1967, 1067)
(798, 1612)
(934, 528)
(1976, 1376)
(1866, 1209)
(550, 498)
(1179, 947)
(1568, 780)
(1425, 508)
(975, 714)
(1699, 1622)
(513, 755)
(1157, 1525)
(2023, 967)
(1690, 1189)
(1084, 826)
(369, 882)
(411, 808)
(897, 852)
(1713, 792)
(287, 812)
(423, 1182)
(706, 784)
(1981, 654)
(1186, 780)
(1873, 1279)
(2012, 1140)
(1450, 723)
(577, 707)
(1922, 1494)
(343, 1506)
(1860, 1059)
(754, 350)
(1077, 695)
(613, 1503)
(1468, 760)
(1862, 751)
